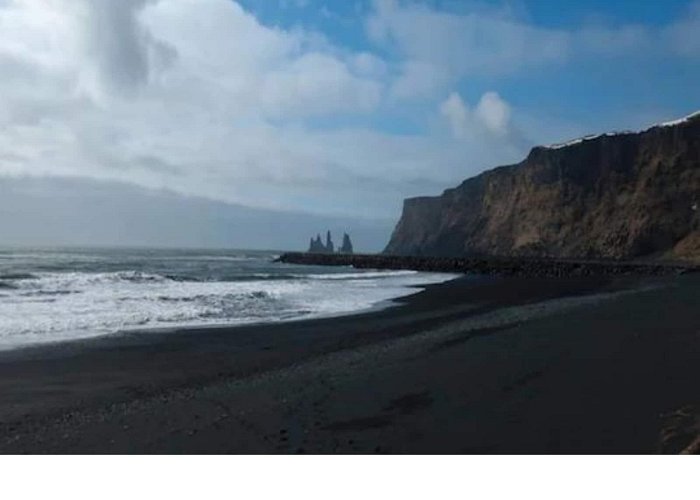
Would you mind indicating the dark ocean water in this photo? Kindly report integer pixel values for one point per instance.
(49, 295)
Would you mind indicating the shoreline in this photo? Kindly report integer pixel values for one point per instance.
(168, 329)
(371, 382)
(496, 266)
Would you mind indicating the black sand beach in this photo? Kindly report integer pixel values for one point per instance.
(475, 365)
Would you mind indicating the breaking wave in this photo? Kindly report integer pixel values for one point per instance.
(39, 306)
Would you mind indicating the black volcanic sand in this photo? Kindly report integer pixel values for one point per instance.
(476, 365)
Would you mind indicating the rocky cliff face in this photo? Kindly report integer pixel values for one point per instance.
(620, 195)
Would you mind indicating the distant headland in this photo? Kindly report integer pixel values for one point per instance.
(619, 195)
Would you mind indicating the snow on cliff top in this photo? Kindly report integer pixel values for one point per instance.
(677, 122)
(586, 138)
(623, 132)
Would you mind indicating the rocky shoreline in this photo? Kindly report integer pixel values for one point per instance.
(494, 266)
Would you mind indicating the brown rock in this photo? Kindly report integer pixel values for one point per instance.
(620, 196)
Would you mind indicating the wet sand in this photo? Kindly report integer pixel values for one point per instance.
(476, 365)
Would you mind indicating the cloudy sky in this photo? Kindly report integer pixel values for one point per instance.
(314, 107)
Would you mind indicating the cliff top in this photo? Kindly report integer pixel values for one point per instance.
(579, 140)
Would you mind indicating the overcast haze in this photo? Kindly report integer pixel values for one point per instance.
(157, 122)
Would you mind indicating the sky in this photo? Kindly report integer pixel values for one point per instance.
(320, 110)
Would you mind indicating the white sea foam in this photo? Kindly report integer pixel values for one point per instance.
(55, 306)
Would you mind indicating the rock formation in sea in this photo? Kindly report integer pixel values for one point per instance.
(618, 195)
(330, 248)
(346, 247)
(316, 245)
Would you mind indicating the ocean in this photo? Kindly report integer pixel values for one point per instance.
(52, 295)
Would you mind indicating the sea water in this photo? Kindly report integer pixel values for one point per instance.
(49, 295)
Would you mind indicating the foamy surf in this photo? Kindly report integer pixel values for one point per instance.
(87, 294)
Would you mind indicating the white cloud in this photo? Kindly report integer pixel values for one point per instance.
(494, 113)
(122, 53)
(199, 97)
(316, 84)
(457, 114)
(435, 49)
(419, 79)
(368, 64)
(191, 95)
(491, 114)
(438, 48)
(679, 38)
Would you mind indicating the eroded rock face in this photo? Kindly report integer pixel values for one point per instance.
(622, 195)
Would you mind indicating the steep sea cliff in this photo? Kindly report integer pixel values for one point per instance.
(619, 195)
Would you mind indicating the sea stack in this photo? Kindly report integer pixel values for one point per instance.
(316, 245)
(330, 248)
(346, 247)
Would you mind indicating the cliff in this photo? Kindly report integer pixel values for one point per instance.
(618, 195)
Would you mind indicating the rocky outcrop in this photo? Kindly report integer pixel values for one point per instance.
(619, 195)
(317, 246)
(346, 247)
(330, 248)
